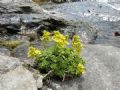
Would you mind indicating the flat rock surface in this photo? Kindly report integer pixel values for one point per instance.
(103, 71)
(18, 79)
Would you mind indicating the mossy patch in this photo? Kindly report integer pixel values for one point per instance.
(11, 44)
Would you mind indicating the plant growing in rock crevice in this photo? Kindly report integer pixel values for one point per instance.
(61, 59)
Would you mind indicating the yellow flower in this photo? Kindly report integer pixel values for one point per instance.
(60, 39)
(46, 36)
(38, 52)
(33, 52)
(57, 33)
(76, 43)
(81, 68)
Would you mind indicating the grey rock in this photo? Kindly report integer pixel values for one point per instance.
(20, 8)
(49, 89)
(21, 50)
(13, 1)
(102, 63)
(40, 81)
(105, 17)
(78, 13)
(55, 86)
(8, 63)
(106, 35)
(5, 51)
(39, 78)
(18, 79)
(85, 30)
(74, 84)
(14, 75)
(24, 1)
(21, 53)
(46, 88)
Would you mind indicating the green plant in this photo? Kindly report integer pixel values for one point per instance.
(61, 59)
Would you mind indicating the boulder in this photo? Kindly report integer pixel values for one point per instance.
(18, 79)
(15, 76)
(102, 68)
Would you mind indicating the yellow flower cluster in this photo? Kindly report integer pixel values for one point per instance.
(81, 68)
(46, 36)
(33, 52)
(60, 39)
(76, 43)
